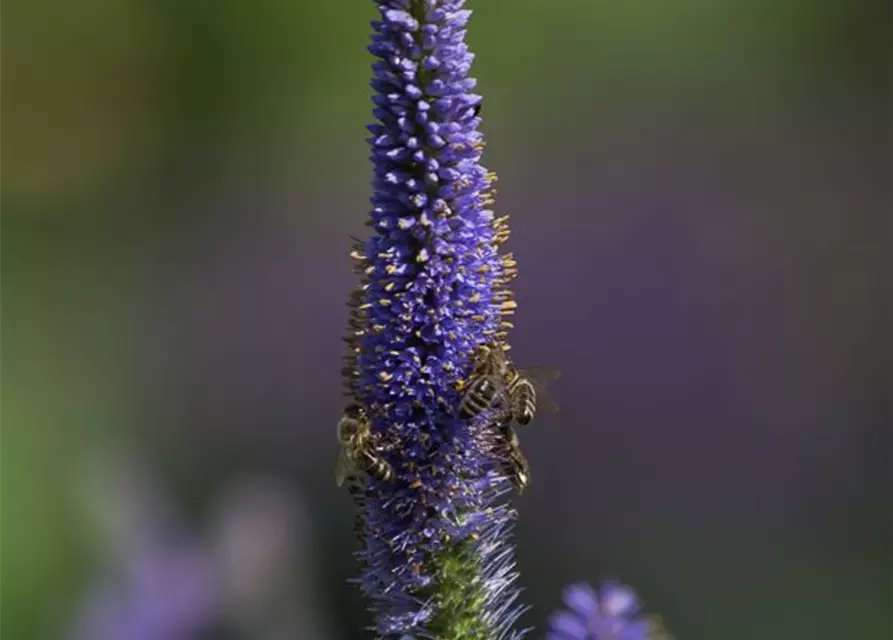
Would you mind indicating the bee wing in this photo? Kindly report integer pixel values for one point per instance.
(540, 377)
(545, 403)
(343, 467)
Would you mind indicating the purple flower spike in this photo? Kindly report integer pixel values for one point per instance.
(611, 613)
(437, 559)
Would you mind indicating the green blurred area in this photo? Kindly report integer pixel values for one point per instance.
(100, 90)
(101, 98)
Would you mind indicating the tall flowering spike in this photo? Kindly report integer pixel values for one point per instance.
(610, 613)
(436, 557)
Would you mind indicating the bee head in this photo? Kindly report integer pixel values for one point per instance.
(355, 411)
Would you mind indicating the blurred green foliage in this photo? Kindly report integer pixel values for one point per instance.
(100, 89)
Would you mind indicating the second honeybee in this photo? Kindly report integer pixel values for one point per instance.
(497, 384)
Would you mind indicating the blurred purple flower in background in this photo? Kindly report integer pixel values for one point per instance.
(159, 579)
(166, 593)
(260, 538)
(157, 582)
(610, 613)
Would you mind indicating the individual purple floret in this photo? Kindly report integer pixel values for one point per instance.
(436, 560)
(611, 613)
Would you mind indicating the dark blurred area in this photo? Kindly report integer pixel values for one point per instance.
(701, 205)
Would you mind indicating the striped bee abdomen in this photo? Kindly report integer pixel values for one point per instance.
(523, 401)
(478, 398)
(516, 464)
(372, 464)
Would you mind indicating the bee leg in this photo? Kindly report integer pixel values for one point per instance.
(509, 435)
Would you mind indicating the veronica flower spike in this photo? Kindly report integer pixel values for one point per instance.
(435, 527)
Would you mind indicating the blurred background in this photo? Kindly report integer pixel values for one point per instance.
(700, 197)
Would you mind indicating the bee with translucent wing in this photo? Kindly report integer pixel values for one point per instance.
(496, 383)
(514, 395)
(527, 392)
(358, 453)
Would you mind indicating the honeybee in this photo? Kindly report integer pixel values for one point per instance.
(497, 384)
(515, 461)
(357, 453)
(487, 387)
